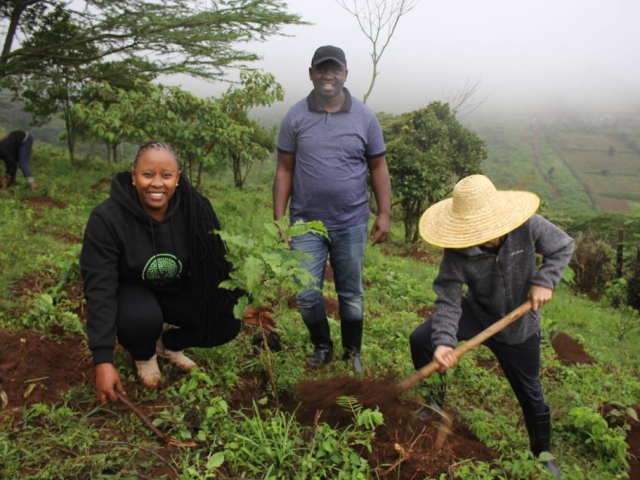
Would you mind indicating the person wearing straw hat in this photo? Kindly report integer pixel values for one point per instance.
(490, 240)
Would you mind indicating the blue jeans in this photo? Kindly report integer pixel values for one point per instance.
(23, 157)
(345, 249)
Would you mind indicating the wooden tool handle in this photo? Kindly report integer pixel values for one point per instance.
(463, 348)
(150, 424)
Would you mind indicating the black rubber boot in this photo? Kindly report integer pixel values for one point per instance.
(434, 399)
(351, 331)
(539, 428)
(323, 346)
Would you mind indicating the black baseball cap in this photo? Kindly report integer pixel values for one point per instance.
(329, 52)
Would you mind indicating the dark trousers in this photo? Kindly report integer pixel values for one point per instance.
(520, 363)
(143, 313)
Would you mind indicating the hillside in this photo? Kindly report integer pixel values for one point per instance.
(242, 408)
(577, 165)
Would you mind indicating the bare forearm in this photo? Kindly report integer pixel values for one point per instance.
(381, 185)
(281, 194)
(282, 184)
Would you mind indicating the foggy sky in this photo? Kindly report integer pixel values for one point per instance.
(523, 54)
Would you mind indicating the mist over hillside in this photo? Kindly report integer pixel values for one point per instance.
(579, 155)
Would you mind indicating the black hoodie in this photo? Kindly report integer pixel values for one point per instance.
(122, 244)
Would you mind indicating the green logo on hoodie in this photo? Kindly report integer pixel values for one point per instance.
(161, 268)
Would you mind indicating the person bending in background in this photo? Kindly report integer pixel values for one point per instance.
(149, 259)
(491, 239)
(15, 151)
(327, 143)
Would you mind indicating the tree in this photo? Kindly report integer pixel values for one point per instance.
(102, 115)
(256, 143)
(123, 76)
(180, 36)
(205, 132)
(461, 100)
(46, 95)
(428, 151)
(62, 45)
(378, 20)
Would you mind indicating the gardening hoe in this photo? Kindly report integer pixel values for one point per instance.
(429, 369)
(460, 350)
(319, 395)
(148, 423)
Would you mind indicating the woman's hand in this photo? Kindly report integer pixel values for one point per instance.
(445, 357)
(108, 383)
(260, 317)
(538, 296)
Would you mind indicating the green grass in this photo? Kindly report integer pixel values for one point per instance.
(77, 439)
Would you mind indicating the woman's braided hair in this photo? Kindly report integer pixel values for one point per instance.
(206, 250)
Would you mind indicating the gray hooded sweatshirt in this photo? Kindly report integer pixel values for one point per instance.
(498, 283)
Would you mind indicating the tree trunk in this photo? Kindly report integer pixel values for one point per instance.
(114, 152)
(16, 13)
(71, 135)
(237, 172)
(200, 168)
(619, 253)
(374, 75)
(71, 147)
(109, 153)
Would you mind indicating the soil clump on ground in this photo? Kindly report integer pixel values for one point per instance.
(568, 350)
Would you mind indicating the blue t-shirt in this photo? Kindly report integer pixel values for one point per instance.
(331, 152)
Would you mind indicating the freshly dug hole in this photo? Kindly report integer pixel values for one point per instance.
(321, 395)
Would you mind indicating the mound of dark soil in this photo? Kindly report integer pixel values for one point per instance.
(569, 350)
(46, 201)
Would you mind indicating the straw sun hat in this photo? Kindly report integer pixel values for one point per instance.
(476, 214)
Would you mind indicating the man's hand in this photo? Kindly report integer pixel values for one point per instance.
(281, 232)
(445, 357)
(107, 383)
(380, 229)
(260, 317)
(538, 296)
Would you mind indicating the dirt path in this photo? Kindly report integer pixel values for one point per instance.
(536, 163)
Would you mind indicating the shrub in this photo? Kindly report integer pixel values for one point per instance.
(590, 429)
(629, 320)
(592, 263)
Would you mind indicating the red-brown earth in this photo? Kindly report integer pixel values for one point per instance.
(41, 368)
(38, 368)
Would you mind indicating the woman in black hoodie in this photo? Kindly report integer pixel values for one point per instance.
(149, 257)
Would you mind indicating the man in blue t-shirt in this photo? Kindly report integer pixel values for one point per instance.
(327, 143)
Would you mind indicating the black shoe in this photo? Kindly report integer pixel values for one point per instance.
(356, 365)
(321, 356)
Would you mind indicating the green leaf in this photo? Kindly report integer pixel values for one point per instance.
(546, 457)
(215, 460)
